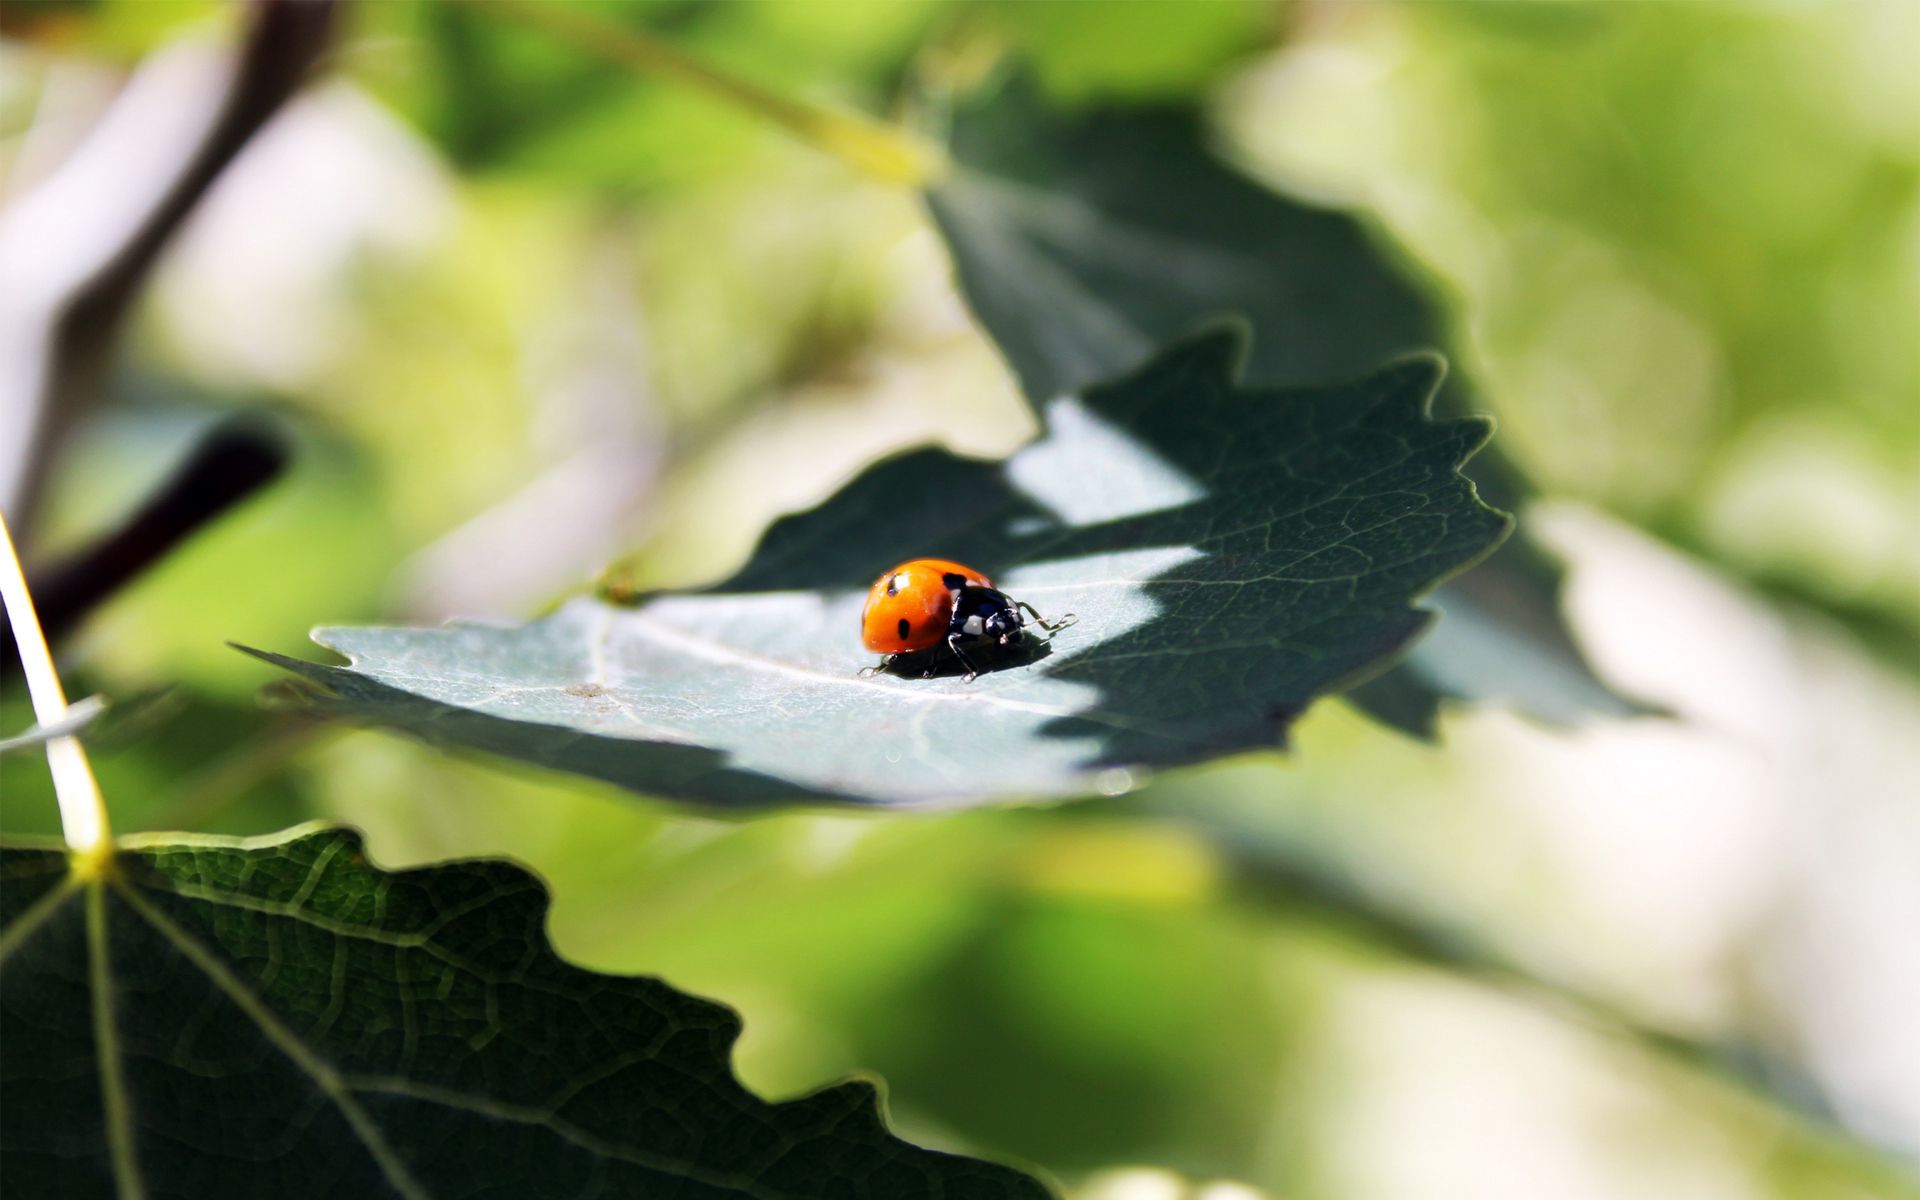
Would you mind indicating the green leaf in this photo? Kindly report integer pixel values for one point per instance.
(1083, 243)
(1229, 553)
(1137, 48)
(281, 1018)
(497, 97)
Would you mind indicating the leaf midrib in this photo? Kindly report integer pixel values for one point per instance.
(342, 1091)
(285, 1040)
(115, 1111)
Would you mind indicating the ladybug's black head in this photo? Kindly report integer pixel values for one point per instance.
(986, 614)
(1004, 623)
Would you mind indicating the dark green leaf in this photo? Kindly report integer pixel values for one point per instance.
(1085, 243)
(1230, 554)
(281, 1018)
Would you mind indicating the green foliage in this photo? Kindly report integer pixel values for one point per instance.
(1230, 554)
(1136, 48)
(500, 98)
(1671, 248)
(178, 759)
(1085, 241)
(282, 1018)
(1684, 234)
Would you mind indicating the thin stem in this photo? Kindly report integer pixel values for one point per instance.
(885, 152)
(83, 811)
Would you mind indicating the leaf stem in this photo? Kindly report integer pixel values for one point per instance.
(83, 811)
(881, 150)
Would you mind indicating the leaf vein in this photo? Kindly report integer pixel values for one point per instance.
(315, 1068)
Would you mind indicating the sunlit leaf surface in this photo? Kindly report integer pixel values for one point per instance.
(1229, 554)
(281, 1018)
(1085, 242)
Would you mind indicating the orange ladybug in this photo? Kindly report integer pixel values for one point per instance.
(925, 603)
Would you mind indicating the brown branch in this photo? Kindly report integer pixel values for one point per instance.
(230, 464)
(76, 251)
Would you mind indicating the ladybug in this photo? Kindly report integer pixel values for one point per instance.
(923, 603)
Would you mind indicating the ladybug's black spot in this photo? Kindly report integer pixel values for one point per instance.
(953, 581)
(893, 585)
(906, 627)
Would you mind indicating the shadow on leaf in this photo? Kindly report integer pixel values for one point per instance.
(1230, 553)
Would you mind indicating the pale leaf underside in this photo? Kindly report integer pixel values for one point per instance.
(1228, 553)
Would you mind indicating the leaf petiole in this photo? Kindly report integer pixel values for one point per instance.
(83, 811)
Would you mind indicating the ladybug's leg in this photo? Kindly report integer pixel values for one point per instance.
(1042, 622)
(931, 657)
(957, 629)
(953, 644)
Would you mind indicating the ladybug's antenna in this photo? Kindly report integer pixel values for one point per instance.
(1042, 622)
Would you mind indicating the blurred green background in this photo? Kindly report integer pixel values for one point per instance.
(523, 313)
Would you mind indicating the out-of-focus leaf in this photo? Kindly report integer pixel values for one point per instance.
(500, 97)
(1085, 242)
(173, 758)
(1137, 48)
(281, 1018)
(120, 28)
(1662, 270)
(1230, 554)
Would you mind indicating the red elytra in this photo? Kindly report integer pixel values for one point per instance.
(910, 607)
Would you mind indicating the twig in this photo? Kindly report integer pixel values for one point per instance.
(885, 152)
(230, 464)
(75, 251)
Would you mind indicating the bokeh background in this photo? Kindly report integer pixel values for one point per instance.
(515, 334)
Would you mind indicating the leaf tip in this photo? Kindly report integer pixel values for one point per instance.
(1418, 374)
(263, 655)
